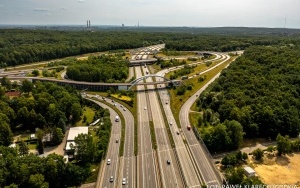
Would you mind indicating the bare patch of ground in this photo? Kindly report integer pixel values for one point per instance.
(278, 169)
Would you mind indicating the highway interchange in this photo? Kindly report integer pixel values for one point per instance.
(188, 164)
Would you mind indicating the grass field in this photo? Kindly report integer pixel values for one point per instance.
(122, 97)
(89, 113)
(278, 170)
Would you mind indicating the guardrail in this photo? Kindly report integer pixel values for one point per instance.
(207, 153)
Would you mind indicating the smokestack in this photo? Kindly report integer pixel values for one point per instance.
(89, 23)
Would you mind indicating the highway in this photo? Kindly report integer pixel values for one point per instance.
(188, 165)
(146, 172)
(200, 153)
(127, 167)
(112, 151)
(170, 173)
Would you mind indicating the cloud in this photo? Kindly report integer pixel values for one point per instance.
(41, 9)
(80, 1)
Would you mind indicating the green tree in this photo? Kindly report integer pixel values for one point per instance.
(235, 132)
(6, 135)
(23, 148)
(283, 145)
(76, 111)
(62, 125)
(6, 82)
(234, 176)
(85, 148)
(27, 86)
(38, 181)
(35, 72)
(57, 136)
(258, 154)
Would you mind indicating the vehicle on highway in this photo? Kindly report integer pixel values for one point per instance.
(177, 132)
(188, 127)
(117, 141)
(117, 119)
(171, 123)
(124, 109)
(111, 179)
(166, 102)
(115, 104)
(147, 72)
(145, 108)
(124, 181)
(121, 106)
(184, 77)
(168, 162)
(108, 161)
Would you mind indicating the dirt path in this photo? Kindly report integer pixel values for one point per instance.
(57, 149)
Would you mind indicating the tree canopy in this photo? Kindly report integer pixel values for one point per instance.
(260, 90)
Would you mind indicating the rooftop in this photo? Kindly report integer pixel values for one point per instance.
(75, 131)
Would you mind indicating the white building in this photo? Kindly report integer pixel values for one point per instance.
(249, 171)
(74, 132)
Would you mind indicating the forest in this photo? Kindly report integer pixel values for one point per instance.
(104, 68)
(50, 108)
(21, 46)
(260, 91)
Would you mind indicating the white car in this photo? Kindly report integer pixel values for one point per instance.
(111, 179)
(124, 181)
(108, 161)
(145, 108)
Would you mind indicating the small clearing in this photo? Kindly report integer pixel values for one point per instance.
(279, 169)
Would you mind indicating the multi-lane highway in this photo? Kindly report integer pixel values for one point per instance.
(169, 169)
(147, 174)
(186, 165)
(111, 168)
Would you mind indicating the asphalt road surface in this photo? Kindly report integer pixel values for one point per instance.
(146, 172)
(170, 175)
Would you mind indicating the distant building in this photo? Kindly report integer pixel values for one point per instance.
(74, 132)
(249, 171)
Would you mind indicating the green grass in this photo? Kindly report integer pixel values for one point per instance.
(152, 132)
(94, 170)
(122, 97)
(89, 113)
(178, 100)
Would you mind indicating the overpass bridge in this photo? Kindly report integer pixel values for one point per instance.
(97, 86)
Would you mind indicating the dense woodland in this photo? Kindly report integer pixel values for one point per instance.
(104, 68)
(260, 90)
(50, 108)
(20, 46)
(47, 105)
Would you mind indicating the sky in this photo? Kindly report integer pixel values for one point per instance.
(191, 13)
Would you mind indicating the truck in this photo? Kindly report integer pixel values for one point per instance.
(117, 119)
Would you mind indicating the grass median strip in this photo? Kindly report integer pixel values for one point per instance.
(166, 122)
(152, 132)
